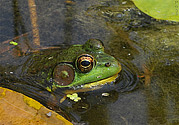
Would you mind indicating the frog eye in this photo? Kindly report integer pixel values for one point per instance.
(85, 63)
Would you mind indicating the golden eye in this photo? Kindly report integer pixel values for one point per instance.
(85, 63)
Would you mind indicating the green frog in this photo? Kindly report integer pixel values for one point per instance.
(79, 66)
(51, 75)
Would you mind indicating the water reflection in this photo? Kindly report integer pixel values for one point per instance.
(162, 95)
(68, 23)
(19, 29)
(19, 26)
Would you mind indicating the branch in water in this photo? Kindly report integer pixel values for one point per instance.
(33, 16)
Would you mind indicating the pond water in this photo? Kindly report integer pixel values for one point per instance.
(148, 49)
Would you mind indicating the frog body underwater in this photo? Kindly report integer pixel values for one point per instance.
(70, 68)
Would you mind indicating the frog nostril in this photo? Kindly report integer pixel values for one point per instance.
(107, 64)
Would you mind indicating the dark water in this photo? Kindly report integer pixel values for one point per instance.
(147, 92)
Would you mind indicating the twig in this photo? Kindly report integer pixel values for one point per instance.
(33, 16)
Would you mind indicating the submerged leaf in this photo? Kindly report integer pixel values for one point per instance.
(160, 9)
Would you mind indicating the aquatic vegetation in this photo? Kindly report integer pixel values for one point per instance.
(160, 9)
(74, 97)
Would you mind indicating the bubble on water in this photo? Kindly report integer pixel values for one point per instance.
(124, 2)
(50, 80)
(139, 13)
(165, 30)
(119, 15)
(50, 57)
(105, 94)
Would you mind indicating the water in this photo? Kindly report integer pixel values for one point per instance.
(147, 48)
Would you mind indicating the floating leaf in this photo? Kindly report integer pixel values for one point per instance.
(160, 9)
(18, 109)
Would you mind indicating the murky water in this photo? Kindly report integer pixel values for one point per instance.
(147, 92)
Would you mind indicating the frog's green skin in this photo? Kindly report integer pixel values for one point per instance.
(42, 64)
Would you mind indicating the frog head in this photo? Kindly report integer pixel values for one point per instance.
(84, 65)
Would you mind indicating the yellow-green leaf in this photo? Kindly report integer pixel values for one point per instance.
(77, 99)
(13, 43)
(160, 9)
(74, 97)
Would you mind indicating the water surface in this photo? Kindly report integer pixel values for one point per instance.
(147, 92)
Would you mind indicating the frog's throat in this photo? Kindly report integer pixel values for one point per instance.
(94, 85)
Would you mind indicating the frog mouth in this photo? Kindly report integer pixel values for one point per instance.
(94, 85)
(108, 80)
